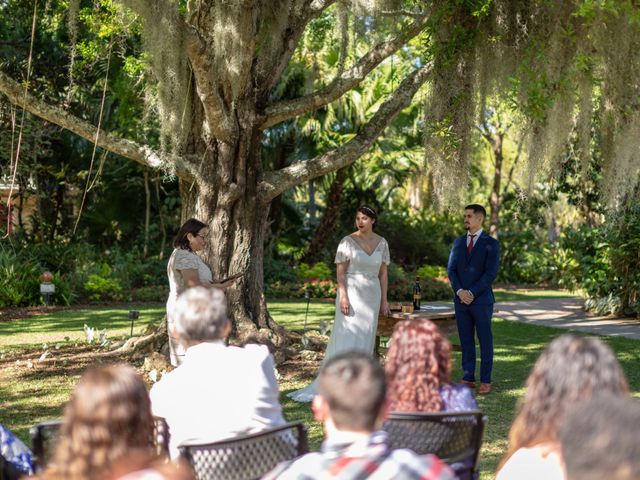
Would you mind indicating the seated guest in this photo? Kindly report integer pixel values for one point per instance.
(108, 415)
(571, 369)
(418, 371)
(18, 458)
(351, 406)
(600, 439)
(219, 391)
(143, 466)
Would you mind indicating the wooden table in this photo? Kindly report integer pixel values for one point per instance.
(442, 315)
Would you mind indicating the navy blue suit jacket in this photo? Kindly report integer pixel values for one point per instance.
(474, 271)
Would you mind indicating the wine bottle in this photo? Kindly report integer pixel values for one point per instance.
(417, 294)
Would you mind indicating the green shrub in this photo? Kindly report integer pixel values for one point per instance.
(281, 289)
(604, 262)
(319, 288)
(133, 270)
(414, 240)
(432, 271)
(102, 286)
(64, 294)
(278, 270)
(20, 280)
(400, 284)
(524, 258)
(150, 293)
(319, 270)
(434, 289)
(624, 237)
(565, 268)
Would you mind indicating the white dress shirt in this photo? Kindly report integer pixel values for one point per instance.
(218, 392)
(476, 236)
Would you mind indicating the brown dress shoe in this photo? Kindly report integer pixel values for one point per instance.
(484, 389)
(471, 385)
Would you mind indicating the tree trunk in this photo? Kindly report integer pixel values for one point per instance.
(225, 197)
(495, 199)
(147, 213)
(312, 200)
(163, 229)
(60, 190)
(231, 56)
(276, 217)
(329, 219)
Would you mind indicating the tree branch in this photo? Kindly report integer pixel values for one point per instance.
(276, 182)
(142, 154)
(268, 69)
(317, 6)
(513, 166)
(348, 80)
(221, 123)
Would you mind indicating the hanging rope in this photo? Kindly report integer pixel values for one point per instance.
(26, 88)
(98, 174)
(95, 142)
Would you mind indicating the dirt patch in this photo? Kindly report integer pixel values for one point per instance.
(300, 368)
(17, 313)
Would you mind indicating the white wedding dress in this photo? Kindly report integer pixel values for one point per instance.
(356, 331)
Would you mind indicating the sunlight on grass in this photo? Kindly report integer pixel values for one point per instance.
(54, 327)
(506, 295)
(291, 313)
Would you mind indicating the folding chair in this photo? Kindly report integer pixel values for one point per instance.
(248, 456)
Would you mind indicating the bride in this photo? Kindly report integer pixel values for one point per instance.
(361, 271)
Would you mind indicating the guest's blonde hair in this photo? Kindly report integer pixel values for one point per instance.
(108, 414)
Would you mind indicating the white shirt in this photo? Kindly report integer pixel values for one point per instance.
(218, 392)
(181, 259)
(476, 236)
(541, 461)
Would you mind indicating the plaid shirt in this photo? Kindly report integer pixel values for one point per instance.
(369, 458)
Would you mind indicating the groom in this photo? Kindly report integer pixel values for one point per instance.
(473, 266)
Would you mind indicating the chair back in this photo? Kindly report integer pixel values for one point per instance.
(248, 456)
(454, 437)
(44, 437)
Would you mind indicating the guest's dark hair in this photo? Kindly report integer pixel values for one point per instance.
(572, 368)
(191, 226)
(353, 384)
(418, 364)
(369, 212)
(108, 415)
(477, 208)
(599, 439)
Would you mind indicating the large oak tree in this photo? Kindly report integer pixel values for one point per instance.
(217, 65)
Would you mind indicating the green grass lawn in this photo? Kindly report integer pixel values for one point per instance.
(29, 394)
(68, 325)
(506, 295)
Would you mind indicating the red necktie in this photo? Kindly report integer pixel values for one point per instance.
(470, 246)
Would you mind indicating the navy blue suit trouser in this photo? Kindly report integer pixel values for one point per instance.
(471, 320)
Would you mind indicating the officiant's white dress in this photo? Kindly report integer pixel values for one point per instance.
(356, 331)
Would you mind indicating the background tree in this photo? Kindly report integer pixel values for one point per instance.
(496, 129)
